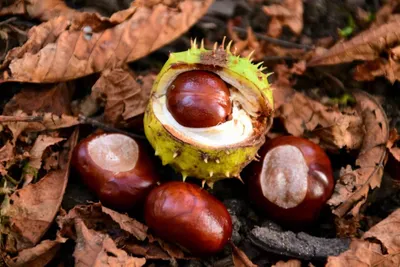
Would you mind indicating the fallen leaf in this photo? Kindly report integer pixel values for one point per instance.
(289, 13)
(367, 45)
(379, 246)
(39, 255)
(44, 121)
(239, 258)
(39, 9)
(128, 224)
(6, 154)
(353, 186)
(97, 249)
(126, 95)
(48, 99)
(289, 263)
(385, 12)
(33, 208)
(57, 51)
(335, 129)
(36, 153)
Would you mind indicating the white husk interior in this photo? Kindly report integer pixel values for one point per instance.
(236, 130)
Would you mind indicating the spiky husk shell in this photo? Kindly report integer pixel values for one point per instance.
(204, 162)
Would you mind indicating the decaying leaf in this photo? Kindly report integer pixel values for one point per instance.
(58, 51)
(365, 46)
(353, 185)
(368, 252)
(239, 258)
(97, 249)
(125, 95)
(289, 13)
(38, 256)
(6, 154)
(335, 129)
(33, 208)
(36, 153)
(47, 99)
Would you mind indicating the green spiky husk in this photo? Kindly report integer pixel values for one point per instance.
(207, 163)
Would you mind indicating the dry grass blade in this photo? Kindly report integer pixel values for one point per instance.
(69, 50)
(365, 46)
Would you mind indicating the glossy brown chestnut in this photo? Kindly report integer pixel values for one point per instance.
(292, 181)
(187, 215)
(117, 168)
(199, 99)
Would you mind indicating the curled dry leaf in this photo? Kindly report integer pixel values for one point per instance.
(6, 154)
(74, 51)
(126, 95)
(36, 153)
(367, 45)
(378, 247)
(289, 13)
(335, 129)
(353, 186)
(239, 258)
(39, 255)
(33, 208)
(97, 249)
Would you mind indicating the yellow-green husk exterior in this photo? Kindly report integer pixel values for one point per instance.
(205, 162)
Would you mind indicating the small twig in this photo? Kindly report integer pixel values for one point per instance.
(11, 180)
(275, 40)
(106, 127)
(8, 20)
(20, 118)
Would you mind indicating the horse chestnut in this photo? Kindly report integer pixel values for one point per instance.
(117, 168)
(292, 181)
(199, 99)
(185, 214)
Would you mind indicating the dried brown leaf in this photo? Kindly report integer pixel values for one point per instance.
(369, 252)
(95, 214)
(36, 153)
(335, 129)
(289, 263)
(71, 52)
(353, 186)
(239, 258)
(365, 46)
(33, 208)
(6, 154)
(289, 13)
(39, 255)
(385, 12)
(39, 9)
(47, 99)
(97, 249)
(126, 95)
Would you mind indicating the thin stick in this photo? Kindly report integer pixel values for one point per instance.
(11, 180)
(261, 36)
(20, 118)
(106, 127)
